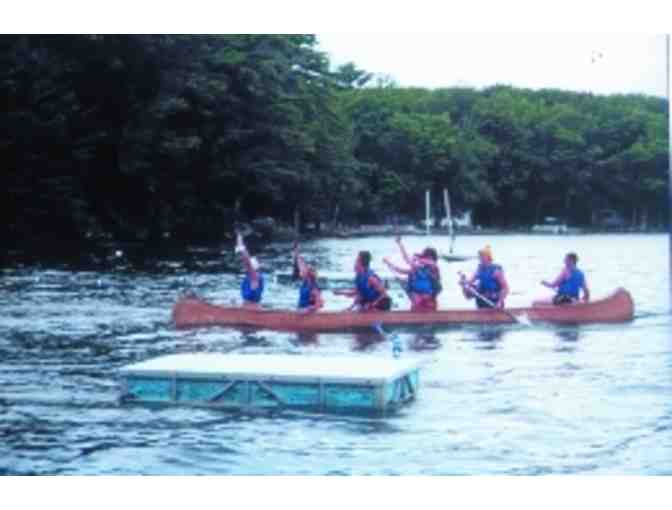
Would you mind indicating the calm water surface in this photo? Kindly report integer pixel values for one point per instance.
(496, 400)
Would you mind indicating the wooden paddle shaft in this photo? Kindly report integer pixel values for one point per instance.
(487, 301)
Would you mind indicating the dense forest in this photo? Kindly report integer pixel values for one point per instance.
(145, 137)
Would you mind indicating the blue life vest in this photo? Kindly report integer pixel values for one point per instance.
(246, 291)
(487, 283)
(306, 293)
(425, 281)
(572, 285)
(368, 294)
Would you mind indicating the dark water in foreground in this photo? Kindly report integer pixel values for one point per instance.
(504, 400)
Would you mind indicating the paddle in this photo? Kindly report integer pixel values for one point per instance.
(520, 320)
(295, 269)
(394, 340)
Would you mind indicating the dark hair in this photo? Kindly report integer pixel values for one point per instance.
(431, 253)
(365, 258)
(573, 257)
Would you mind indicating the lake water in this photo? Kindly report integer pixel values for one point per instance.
(494, 400)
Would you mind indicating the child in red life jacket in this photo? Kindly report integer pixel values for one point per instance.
(423, 278)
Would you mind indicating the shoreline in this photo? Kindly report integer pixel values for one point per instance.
(109, 253)
(164, 256)
(482, 232)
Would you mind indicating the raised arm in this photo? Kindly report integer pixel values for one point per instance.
(407, 259)
(394, 268)
(247, 260)
(298, 260)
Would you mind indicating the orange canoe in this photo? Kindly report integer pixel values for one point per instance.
(191, 313)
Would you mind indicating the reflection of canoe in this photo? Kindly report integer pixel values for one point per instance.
(190, 312)
(457, 258)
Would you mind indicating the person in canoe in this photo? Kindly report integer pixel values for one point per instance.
(310, 296)
(252, 286)
(424, 278)
(369, 293)
(569, 284)
(488, 284)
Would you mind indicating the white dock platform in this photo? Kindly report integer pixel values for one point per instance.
(244, 382)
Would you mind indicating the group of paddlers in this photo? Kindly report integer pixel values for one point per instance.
(420, 278)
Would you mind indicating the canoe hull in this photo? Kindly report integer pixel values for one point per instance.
(191, 313)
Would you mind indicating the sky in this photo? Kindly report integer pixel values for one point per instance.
(599, 63)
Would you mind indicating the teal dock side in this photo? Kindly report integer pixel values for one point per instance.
(250, 383)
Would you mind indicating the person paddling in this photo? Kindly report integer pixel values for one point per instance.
(488, 281)
(369, 292)
(569, 284)
(424, 277)
(252, 286)
(310, 296)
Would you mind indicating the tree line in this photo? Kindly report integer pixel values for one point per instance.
(143, 137)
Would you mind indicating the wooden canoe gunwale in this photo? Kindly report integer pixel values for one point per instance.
(190, 313)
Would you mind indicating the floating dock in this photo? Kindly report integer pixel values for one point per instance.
(249, 383)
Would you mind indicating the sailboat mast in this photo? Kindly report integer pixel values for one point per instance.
(449, 218)
(427, 211)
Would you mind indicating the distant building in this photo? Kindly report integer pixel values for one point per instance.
(464, 220)
(461, 221)
(609, 218)
(551, 225)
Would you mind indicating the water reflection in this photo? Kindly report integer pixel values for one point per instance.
(364, 342)
(306, 338)
(419, 341)
(568, 336)
(424, 341)
(250, 339)
(485, 338)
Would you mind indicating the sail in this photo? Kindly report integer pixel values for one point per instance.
(449, 218)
